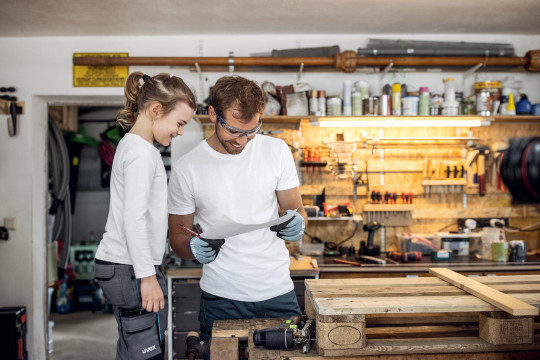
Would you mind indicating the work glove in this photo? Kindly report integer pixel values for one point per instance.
(205, 250)
(292, 229)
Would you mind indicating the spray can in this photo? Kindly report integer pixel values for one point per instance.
(423, 101)
(321, 109)
(313, 103)
(396, 99)
(384, 105)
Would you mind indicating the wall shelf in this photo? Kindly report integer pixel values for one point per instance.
(383, 121)
(290, 120)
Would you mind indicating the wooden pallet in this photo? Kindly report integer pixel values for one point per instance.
(424, 315)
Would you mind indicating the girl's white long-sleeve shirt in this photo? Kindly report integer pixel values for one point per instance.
(136, 229)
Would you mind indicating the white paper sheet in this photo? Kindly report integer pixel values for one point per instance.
(226, 227)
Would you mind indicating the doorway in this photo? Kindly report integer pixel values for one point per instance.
(80, 323)
(88, 330)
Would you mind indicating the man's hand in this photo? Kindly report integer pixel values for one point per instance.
(205, 250)
(151, 294)
(292, 229)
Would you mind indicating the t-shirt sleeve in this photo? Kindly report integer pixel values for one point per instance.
(289, 177)
(181, 199)
(139, 170)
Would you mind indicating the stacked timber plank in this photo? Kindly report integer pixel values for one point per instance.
(443, 314)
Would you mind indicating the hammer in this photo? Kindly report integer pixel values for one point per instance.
(481, 167)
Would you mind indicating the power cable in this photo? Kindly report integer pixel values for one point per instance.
(332, 245)
(60, 208)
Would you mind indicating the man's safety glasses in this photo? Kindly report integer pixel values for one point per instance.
(231, 130)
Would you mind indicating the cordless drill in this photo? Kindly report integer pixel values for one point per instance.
(296, 331)
(370, 249)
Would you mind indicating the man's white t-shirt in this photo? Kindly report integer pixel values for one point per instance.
(136, 230)
(253, 266)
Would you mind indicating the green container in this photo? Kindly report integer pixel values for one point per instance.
(82, 258)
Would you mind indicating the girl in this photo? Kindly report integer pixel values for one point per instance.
(129, 257)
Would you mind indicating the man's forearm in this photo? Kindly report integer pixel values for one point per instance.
(180, 245)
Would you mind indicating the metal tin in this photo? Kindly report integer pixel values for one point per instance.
(321, 109)
(333, 106)
(370, 106)
(518, 251)
(488, 94)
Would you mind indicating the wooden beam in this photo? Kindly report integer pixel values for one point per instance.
(417, 291)
(225, 348)
(417, 304)
(502, 301)
(323, 284)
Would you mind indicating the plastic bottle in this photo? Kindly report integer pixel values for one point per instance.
(449, 90)
(423, 101)
(450, 105)
(396, 99)
(356, 101)
(347, 92)
(510, 107)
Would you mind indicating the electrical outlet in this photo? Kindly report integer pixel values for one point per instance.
(10, 223)
(481, 222)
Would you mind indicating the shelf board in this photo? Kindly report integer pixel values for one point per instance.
(384, 120)
(292, 120)
(388, 207)
(355, 217)
(514, 119)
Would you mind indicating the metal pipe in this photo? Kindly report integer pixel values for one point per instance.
(347, 61)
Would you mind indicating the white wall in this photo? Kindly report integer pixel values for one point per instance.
(41, 69)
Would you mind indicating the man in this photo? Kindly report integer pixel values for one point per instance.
(245, 176)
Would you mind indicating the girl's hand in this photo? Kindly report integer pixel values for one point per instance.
(152, 296)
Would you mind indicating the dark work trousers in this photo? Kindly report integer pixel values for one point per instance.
(141, 334)
(218, 308)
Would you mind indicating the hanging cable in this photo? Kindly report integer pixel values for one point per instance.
(59, 190)
(333, 245)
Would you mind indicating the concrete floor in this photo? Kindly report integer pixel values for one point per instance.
(83, 335)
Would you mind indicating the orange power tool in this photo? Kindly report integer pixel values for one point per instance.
(405, 257)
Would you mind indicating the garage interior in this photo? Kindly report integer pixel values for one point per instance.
(308, 46)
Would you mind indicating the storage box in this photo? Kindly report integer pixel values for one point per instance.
(458, 243)
(419, 242)
(82, 259)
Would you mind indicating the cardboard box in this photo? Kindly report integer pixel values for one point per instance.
(502, 328)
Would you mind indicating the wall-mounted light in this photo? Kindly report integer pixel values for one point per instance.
(403, 121)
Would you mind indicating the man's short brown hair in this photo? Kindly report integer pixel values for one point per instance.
(245, 96)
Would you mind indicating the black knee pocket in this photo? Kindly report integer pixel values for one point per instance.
(141, 333)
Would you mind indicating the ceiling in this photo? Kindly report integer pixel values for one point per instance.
(29, 18)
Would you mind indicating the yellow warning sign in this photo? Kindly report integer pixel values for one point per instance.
(100, 76)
